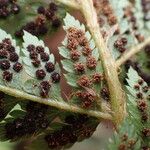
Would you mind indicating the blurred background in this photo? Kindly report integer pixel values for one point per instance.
(97, 142)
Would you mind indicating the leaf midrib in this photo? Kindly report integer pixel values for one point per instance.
(54, 103)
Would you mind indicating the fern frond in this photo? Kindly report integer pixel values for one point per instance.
(36, 17)
(136, 126)
(81, 62)
(45, 125)
(76, 129)
(6, 104)
(126, 138)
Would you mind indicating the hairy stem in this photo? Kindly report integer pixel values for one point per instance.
(60, 104)
(131, 52)
(116, 93)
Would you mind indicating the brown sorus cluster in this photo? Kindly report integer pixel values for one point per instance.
(72, 43)
(79, 68)
(97, 78)
(91, 62)
(87, 51)
(8, 59)
(75, 55)
(146, 132)
(139, 95)
(77, 128)
(120, 44)
(122, 146)
(50, 67)
(96, 4)
(40, 74)
(142, 105)
(5, 64)
(145, 89)
(112, 20)
(13, 57)
(34, 120)
(55, 77)
(8, 8)
(140, 86)
(40, 20)
(40, 58)
(84, 81)
(126, 143)
(105, 93)
(7, 76)
(3, 54)
(87, 98)
(144, 116)
(140, 81)
(137, 87)
(76, 37)
(33, 55)
(83, 42)
(17, 67)
(44, 56)
(39, 26)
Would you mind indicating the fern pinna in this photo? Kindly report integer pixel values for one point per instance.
(138, 135)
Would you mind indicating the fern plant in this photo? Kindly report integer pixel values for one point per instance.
(105, 83)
